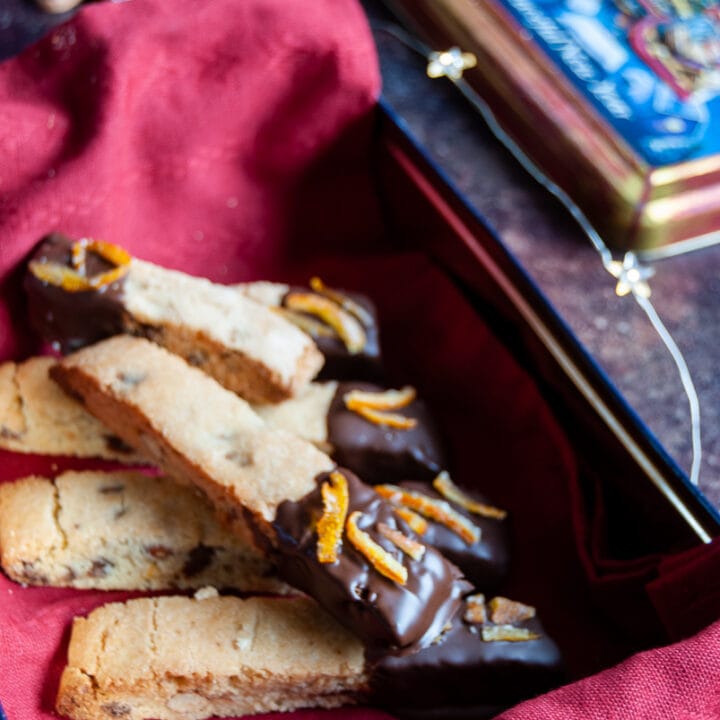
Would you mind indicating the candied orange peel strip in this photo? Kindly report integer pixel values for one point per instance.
(111, 252)
(342, 300)
(386, 400)
(307, 324)
(400, 540)
(452, 493)
(348, 328)
(416, 522)
(475, 609)
(378, 557)
(60, 275)
(504, 611)
(336, 499)
(379, 417)
(373, 406)
(75, 279)
(437, 510)
(507, 633)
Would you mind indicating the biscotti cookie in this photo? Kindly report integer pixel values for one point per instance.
(344, 325)
(175, 658)
(36, 416)
(200, 433)
(382, 435)
(80, 292)
(186, 658)
(121, 531)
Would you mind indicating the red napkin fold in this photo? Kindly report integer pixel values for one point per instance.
(233, 140)
(197, 135)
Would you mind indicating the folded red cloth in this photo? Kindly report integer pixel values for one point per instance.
(232, 140)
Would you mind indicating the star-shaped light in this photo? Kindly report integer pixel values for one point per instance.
(450, 63)
(631, 276)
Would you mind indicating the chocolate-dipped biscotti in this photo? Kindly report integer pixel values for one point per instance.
(344, 325)
(178, 658)
(391, 592)
(122, 531)
(36, 416)
(385, 437)
(80, 292)
(495, 654)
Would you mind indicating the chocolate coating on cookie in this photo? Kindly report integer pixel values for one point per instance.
(383, 613)
(382, 454)
(464, 676)
(340, 363)
(72, 319)
(485, 562)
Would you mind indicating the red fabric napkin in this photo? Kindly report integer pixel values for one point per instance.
(234, 140)
(680, 682)
(198, 135)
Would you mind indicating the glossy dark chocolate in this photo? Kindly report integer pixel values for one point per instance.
(387, 616)
(464, 676)
(485, 562)
(340, 364)
(382, 454)
(72, 319)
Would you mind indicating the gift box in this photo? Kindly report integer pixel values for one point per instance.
(247, 142)
(615, 102)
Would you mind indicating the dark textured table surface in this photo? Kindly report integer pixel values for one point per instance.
(552, 249)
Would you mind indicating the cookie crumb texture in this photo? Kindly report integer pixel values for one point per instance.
(174, 658)
(121, 531)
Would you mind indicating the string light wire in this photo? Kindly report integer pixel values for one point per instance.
(630, 274)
